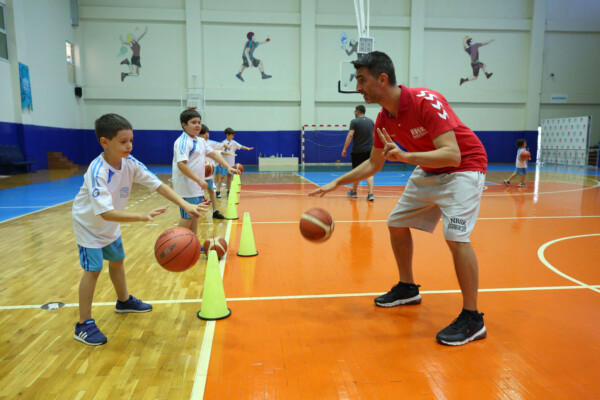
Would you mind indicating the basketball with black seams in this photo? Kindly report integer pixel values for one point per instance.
(316, 225)
(177, 249)
(216, 243)
(239, 167)
(525, 155)
(209, 169)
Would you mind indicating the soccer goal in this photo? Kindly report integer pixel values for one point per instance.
(323, 145)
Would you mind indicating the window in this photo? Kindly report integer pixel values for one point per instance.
(70, 62)
(3, 41)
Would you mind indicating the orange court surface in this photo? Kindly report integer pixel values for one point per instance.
(303, 322)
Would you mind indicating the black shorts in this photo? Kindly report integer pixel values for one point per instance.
(135, 60)
(476, 67)
(255, 62)
(359, 158)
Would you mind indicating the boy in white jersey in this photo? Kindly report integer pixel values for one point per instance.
(189, 158)
(205, 134)
(232, 145)
(97, 210)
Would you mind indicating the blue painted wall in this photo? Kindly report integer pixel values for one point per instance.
(154, 146)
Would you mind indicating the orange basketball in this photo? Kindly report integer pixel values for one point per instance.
(239, 167)
(177, 249)
(209, 169)
(216, 243)
(525, 155)
(316, 224)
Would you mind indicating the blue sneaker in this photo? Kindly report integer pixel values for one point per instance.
(132, 305)
(89, 333)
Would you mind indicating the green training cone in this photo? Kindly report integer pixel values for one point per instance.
(231, 212)
(214, 305)
(247, 247)
(238, 181)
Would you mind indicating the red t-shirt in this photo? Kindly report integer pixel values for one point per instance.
(422, 116)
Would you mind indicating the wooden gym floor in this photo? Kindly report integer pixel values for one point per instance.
(303, 323)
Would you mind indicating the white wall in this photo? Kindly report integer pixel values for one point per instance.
(571, 60)
(41, 29)
(198, 44)
(7, 102)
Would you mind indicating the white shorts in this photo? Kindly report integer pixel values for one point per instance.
(454, 197)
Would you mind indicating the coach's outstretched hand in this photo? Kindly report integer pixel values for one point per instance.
(324, 189)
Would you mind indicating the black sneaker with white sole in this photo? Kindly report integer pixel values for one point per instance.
(401, 294)
(464, 329)
(217, 215)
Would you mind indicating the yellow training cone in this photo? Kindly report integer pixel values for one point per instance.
(235, 190)
(214, 305)
(238, 181)
(231, 212)
(247, 247)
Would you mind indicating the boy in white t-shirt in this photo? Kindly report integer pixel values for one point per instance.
(205, 134)
(97, 210)
(233, 146)
(189, 158)
(520, 164)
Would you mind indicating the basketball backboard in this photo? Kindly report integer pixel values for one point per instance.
(347, 82)
(193, 99)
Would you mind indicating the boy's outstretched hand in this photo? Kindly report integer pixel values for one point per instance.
(196, 209)
(149, 216)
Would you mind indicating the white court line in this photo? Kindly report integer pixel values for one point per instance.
(478, 219)
(209, 333)
(553, 269)
(596, 184)
(320, 296)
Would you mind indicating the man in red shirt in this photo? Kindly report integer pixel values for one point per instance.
(447, 183)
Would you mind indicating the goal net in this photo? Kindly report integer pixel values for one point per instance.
(323, 145)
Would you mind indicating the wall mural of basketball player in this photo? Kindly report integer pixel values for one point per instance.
(133, 43)
(472, 50)
(350, 47)
(248, 58)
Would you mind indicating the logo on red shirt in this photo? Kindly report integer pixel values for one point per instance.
(438, 105)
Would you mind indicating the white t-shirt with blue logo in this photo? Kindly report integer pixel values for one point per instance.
(104, 189)
(233, 147)
(193, 150)
(214, 146)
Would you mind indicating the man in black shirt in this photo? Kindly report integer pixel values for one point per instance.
(361, 134)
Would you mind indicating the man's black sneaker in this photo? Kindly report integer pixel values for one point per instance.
(218, 215)
(401, 294)
(464, 329)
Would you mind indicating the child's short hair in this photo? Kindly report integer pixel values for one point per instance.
(520, 142)
(108, 125)
(204, 129)
(229, 131)
(188, 114)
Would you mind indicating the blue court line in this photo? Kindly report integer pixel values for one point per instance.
(22, 200)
